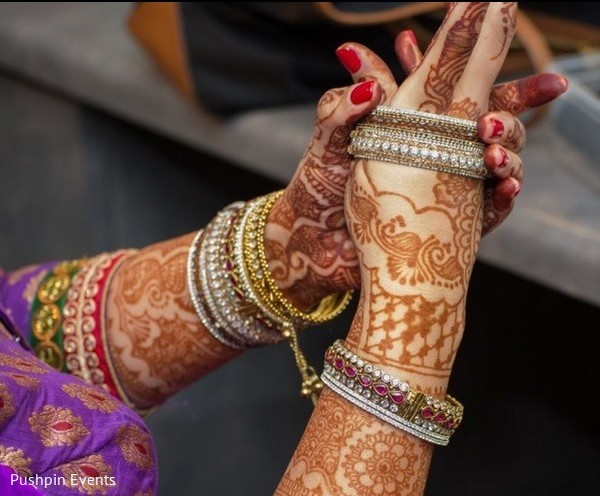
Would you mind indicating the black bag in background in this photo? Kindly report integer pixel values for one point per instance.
(232, 57)
(248, 55)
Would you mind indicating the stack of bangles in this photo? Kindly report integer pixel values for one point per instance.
(239, 303)
(235, 295)
(420, 139)
(68, 322)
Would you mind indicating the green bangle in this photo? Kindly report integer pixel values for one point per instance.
(45, 317)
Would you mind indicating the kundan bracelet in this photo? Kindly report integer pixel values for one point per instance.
(390, 398)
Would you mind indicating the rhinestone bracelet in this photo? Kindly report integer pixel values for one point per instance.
(427, 122)
(408, 138)
(389, 398)
(235, 314)
(221, 310)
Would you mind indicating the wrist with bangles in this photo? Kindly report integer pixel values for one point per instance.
(428, 141)
(235, 295)
(390, 398)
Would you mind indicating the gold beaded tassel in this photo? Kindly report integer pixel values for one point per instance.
(311, 382)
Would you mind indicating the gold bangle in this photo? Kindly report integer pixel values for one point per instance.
(328, 308)
(427, 122)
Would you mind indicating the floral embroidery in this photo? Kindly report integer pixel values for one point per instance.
(136, 446)
(23, 363)
(15, 459)
(90, 475)
(7, 409)
(91, 397)
(22, 380)
(57, 426)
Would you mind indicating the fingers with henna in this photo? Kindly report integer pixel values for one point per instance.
(502, 128)
(530, 92)
(502, 163)
(407, 50)
(513, 96)
(365, 65)
(431, 83)
(504, 194)
(488, 55)
(337, 109)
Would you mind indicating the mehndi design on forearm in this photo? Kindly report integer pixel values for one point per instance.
(157, 343)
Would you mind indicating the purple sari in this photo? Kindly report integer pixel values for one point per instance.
(58, 434)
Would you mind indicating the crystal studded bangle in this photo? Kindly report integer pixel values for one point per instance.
(389, 398)
(224, 311)
(419, 139)
(424, 121)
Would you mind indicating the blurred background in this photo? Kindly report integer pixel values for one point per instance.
(120, 127)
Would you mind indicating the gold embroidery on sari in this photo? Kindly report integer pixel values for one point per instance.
(22, 380)
(90, 475)
(15, 459)
(57, 426)
(7, 409)
(91, 397)
(136, 446)
(23, 363)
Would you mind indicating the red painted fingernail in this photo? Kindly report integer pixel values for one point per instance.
(362, 93)
(497, 128)
(411, 34)
(349, 59)
(501, 160)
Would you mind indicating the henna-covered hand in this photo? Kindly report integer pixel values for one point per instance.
(500, 127)
(416, 233)
(308, 244)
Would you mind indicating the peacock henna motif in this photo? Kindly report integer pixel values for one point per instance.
(419, 258)
(157, 343)
(416, 262)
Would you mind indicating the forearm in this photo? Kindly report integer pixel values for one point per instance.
(416, 260)
(156, 341)
(418, 251)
